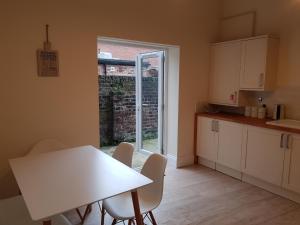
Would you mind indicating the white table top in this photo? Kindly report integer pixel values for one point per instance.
(55, 182)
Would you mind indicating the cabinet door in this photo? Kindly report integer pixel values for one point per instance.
(254, 64)
(207, 139)
(264, 156)
(225, 72)
(230, 144)
(292, 164)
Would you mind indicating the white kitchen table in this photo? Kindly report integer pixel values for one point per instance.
(55, 182)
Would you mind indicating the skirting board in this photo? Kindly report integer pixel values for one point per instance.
(207, 163)
(271, 188)
(185, 160)
(251, 180)
(228, 171)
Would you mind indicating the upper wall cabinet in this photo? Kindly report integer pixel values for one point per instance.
(225, 71)
(259, 64)
(247, 64)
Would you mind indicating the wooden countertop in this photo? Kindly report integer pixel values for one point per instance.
(248, 121)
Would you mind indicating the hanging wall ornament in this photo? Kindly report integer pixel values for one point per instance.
(47, 59)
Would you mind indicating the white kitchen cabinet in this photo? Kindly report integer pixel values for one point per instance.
(264, 155)
(225, 72)
(242, 65)
(230, 144)
(207, 139)
(259, 64)
(220, 142)
(292, 164)
(267, 158)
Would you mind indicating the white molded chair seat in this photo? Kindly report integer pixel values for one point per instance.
(120, 207)
(13, 211)
(123, 153)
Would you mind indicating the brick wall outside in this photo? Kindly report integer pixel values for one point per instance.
(117, 106)
(117, 70)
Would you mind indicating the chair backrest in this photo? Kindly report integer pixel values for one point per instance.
(124, 153)
(46, 145)
(154, 168)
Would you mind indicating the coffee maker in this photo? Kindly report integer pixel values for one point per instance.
(278, 112)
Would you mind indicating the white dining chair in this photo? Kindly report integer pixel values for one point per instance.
(120, 207)
(123, 153)
(13, 211)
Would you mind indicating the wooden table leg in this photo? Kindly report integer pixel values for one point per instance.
(47, 222)
(136, 206)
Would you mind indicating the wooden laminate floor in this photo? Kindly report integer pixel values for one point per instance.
(198, 195)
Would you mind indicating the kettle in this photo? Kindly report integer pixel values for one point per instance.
(278, 112)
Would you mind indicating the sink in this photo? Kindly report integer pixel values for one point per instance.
(285, 123)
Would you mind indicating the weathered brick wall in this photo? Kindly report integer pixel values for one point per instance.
(118, 108)
(116, 70)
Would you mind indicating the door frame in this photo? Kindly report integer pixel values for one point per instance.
(161, 99)
(171, 88)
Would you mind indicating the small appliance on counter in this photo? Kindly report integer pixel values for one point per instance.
(278, 112)
(256, 111)
(262, 112)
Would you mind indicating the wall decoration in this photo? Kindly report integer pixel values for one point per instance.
(47, 59)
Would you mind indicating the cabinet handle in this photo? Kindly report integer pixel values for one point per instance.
(261, 80)
(212, 125)
(235, 96)
(281, 140)
(288, 141)
(217, 126)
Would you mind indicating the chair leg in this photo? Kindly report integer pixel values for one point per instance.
(89, 209)
(114, 222)
(79, 214)
(102, 215)
(86, 212)
(130, 222)
(152, 218)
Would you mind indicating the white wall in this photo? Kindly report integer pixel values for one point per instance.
(280, 18)
(66, 107)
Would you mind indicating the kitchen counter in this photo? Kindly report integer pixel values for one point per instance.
(248, 121)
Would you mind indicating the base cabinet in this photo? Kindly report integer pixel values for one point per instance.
(220, 142)
(292, 164)
(230, 145)
(207, 139)
(264, 155)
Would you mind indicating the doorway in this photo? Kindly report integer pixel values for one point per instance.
(150, 101)
(134, 95)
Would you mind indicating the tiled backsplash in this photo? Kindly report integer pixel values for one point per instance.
(289, 96)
